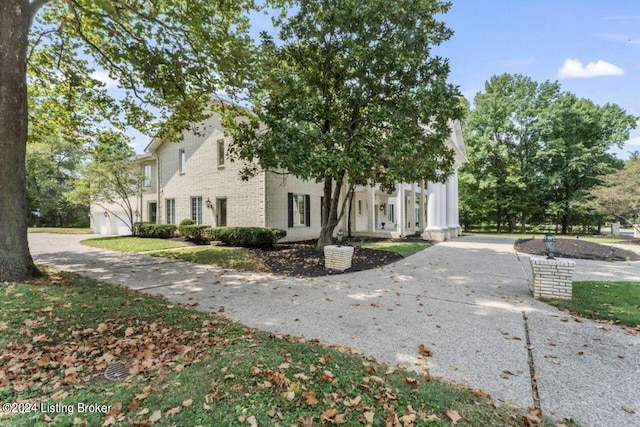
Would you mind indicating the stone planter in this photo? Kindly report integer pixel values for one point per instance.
(552, 278)
(338, 257)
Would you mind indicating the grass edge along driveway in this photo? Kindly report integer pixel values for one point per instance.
(614, 302)
(188, 367)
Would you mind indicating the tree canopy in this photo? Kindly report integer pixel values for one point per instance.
(350, 94)
(170, 58)
(535, 151)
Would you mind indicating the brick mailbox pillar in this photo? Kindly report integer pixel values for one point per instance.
(552, 278)
(338, 257)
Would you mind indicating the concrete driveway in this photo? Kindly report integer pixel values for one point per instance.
(466, 299)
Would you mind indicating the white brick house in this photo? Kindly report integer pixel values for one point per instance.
(195, 179)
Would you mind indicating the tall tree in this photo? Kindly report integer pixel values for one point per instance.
(534, 149)
(52, 171)
(351, 95)
(618, 195)
(109, 179)
(504, 135)
(168, 54)
(576, 148)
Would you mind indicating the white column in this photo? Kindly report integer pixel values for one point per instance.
(451, 202)
(411, 207)
(401, 220)
(456, 208)
(434, 230)
(371, 193)
(433, 209)
(421, 218)
(443, 205)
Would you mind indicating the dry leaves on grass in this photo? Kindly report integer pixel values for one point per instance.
(85, 354)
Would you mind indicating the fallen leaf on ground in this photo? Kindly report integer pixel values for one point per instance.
(454, 416)
(155, 416)
(424, 350)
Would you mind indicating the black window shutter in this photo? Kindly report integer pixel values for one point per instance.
(307, 210)
(290, 200)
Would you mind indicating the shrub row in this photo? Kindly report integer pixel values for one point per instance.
(193, 232)
(251, 237)
(157, 231)
(258, 237)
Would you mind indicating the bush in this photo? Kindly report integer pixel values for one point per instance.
(250, 237)
(193, 232)
(156, 231)
(187, 221)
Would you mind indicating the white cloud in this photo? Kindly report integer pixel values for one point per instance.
(104, 78)
(573, 68)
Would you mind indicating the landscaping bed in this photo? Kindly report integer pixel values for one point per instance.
(301, 259)
(578, 249)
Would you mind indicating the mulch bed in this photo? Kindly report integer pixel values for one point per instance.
(579, 249)
(302, 260)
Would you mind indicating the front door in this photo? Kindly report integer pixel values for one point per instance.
(153, 210)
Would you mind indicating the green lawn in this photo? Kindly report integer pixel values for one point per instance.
(234, 258)
(132, 244)
(615, 301)
(603, 239)
(188, 368)
(60, 230)
(403, 248)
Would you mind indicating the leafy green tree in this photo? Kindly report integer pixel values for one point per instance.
(576, 148)
(351, 95)
(503, 134)
(534, 150)
(52, 171)
(109, 179)
(168, 54)
(619, 194)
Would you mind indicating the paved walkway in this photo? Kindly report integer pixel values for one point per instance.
(466, 299)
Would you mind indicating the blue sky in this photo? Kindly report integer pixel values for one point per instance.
(592, 47)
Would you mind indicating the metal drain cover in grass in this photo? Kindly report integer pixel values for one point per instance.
(116, 371)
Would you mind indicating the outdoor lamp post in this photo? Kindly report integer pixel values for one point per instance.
(550, 244)
(340, 234)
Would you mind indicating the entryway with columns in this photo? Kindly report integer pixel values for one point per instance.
(429, 210)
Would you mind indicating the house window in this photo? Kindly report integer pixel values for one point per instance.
(182, 160)
(221, 209)
(299, 210)
(196, 210)
(392, 216)
(220, 152)
(359, 207)
(171, 210)
(147, 175)
(153, 210)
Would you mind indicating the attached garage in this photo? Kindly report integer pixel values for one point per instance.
(115, 224)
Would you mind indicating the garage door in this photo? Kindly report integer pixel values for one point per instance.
(120, 225)
(99, 223)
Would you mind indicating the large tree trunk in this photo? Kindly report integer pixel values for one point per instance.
(523, 222)
(332, 211)
(512, 222)
(15, 259)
